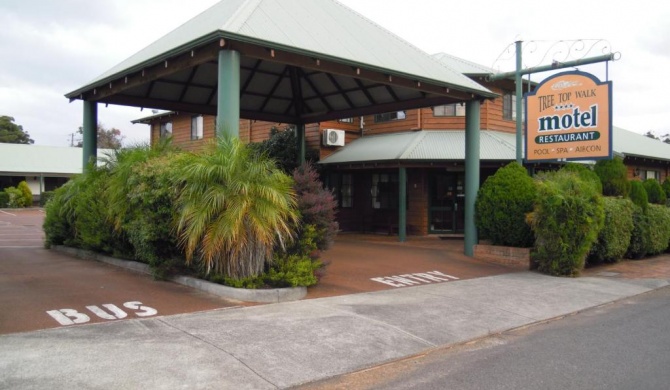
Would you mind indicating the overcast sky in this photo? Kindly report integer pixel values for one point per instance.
(49, 48)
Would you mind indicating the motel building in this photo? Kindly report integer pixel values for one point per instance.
(405, 138)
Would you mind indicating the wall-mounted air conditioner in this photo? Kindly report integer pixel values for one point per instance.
(333, 137)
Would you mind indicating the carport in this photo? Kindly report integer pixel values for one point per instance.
(289, 62)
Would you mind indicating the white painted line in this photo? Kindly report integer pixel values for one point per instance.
(4, 212)
(22, 246)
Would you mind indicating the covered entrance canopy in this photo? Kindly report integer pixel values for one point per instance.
(281, 61)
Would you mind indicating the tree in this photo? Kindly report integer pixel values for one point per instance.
(234, 207)
(11, 133)
(650, 134)
(282, 147)
(107, 138)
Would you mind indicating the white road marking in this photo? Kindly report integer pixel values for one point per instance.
(72, 316)
(4, 212)
(415, 278)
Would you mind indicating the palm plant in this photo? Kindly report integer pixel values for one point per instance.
(234, 207)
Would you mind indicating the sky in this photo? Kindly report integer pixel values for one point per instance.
(49, 48)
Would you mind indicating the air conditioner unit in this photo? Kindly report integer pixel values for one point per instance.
(333, 137)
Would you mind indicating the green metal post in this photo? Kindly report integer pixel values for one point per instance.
(402, 204)
(519, 98)
(90, 130)
(472, 124)
(228, 94)
(300, 130)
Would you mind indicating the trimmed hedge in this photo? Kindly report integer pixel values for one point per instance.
(566, 220)
(614, 237)
(659, 229)
(666, 189)
(502, 204)
(639, 239)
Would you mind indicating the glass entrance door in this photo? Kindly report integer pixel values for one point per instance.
(447, 202)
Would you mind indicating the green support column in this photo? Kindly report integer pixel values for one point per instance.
(402, 204)
(90, 136)
(300, 133)
(228, 94)
(519, 99)
(472, 114)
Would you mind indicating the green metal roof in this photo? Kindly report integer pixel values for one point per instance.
(463, 66)
(427, 145)
(633, 144)
(317, 29)
(449, 145)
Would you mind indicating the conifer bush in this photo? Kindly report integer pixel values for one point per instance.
(26, 192)
(666, 189)
(614, 237)
(613, 176)
(655, 193)
(639, 195)
(566, 220)
(502, 204)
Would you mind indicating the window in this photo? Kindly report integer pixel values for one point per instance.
(509, 106)
(196, 127)
(342, 185)
(390, 116)
(166, 129)
(652, 175)
(456, 109)
(384, 191)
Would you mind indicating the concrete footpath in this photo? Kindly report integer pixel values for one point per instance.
(287, 344)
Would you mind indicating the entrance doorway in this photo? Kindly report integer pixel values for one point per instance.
(447, 203)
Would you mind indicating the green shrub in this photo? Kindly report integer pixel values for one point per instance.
(502, 204)
(614, 237)
(613, 175)
(586, 174)
(655, 193)
(293, 271)
(58, 222)
(666, 189)
(282, 147)
(659, 229)
(27, 194)
(141, 202)
(16, 198)
(639, 240)
(45, 197)
(316, 205)
(295, 267)
(639, 195)
(566, 220)
(4, 199)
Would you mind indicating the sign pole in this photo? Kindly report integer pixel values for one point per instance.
(519, 100)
